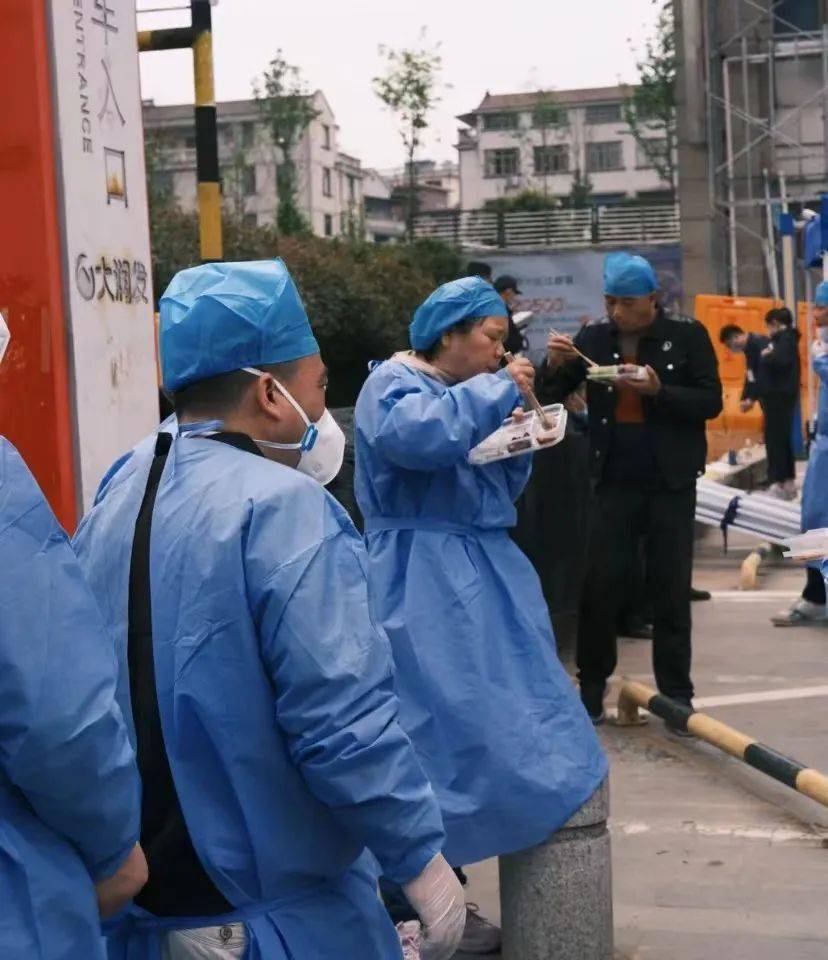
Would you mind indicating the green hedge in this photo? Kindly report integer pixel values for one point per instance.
(359, 296)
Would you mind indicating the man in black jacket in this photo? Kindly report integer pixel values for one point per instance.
(647, 447)
(772, 378)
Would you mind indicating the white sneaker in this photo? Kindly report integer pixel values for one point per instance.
(802, 612)
(778, 491)
(480, 936)
(411, 938)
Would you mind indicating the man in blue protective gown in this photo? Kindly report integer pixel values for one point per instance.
(69, 791)
(495, 719)
(811, 606)
(260, 690)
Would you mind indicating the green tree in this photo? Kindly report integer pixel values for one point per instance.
(409, 90)
(580, 191)
(233, 178)
(287, 108)
(651, 109)
(550, 120)
(525, 202)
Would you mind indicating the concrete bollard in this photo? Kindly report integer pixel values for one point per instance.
(556, 898)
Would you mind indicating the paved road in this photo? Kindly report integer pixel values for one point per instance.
(710, 858)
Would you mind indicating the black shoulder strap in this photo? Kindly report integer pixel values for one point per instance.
(178, 883)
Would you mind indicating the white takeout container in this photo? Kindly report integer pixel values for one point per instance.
(616, 371)
(514, 438)
(812, 545)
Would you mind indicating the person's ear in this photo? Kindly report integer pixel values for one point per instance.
(267, 398)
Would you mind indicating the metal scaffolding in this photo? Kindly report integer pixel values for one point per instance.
(767, 115)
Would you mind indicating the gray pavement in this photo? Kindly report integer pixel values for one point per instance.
(711, 858)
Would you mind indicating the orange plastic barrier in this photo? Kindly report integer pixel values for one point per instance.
(732, 428)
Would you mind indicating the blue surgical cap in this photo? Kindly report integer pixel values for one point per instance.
(220, 317)
(821, 298)
(626, 275)
(451, 304)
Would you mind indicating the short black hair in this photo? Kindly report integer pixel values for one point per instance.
(219, 396)
(780, 315)
(477, 268)
(729, 331)
(465, 326)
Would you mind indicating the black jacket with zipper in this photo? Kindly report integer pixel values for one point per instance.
(678, 348)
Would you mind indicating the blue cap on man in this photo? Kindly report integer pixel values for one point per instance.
(821, 296)
(627, 275)
(221, 317)
(449, 305)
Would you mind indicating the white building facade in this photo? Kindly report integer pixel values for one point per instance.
(513, 143)
(329, 182)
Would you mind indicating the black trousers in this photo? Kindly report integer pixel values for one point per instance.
(779, 413)
(623, 516)
(814, 587)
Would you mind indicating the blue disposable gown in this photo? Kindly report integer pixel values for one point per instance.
(276, 700)
(815, 488)
(69, 791)
(496, 721)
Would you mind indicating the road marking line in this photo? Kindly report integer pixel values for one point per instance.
(760, 696)
(752, 596)
(766, 834)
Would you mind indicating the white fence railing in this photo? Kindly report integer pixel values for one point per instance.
(584, 227)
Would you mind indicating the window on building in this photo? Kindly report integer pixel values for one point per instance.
(326, 137)
(249, 181)
(502, 163)
(251, 220)
(793, 15)
(554, 159)
(352, 195)
(547, 115)
(655, 151)
(328, 225)
(248, 135)
(604, 156)
(603, 113)
(500, 121)
(327, 182)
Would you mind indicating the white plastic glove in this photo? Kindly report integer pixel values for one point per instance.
(438, 898)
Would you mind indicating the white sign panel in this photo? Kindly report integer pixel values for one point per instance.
(564, 290)
(106, 230)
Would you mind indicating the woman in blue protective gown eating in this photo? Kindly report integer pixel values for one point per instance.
(496, 721)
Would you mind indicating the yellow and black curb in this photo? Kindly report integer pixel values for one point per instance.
(804, 780)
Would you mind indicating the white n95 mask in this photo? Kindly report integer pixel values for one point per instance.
(5, 335)
(322, 447)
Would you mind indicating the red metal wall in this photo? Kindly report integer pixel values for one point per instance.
(35, 409)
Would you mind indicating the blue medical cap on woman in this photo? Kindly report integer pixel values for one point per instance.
(626, 275)
(451, 304)
(821, 297)
(220, 317)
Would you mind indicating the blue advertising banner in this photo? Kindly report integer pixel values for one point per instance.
(564, 290)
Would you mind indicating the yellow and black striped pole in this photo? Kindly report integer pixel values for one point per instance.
(199, 36)
(207, 164)
(765, 759)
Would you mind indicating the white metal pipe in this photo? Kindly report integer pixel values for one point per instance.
(731, 190)
(810, 332)
(773, 269)
(788, 256)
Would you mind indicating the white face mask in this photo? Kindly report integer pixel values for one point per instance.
(322, 445)
(5, 336)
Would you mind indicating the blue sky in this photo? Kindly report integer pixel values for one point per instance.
(519, 45)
